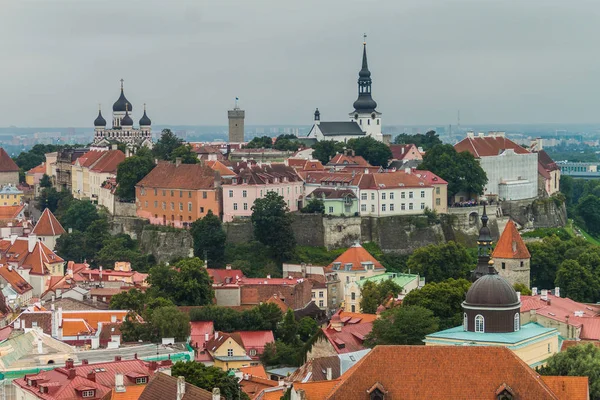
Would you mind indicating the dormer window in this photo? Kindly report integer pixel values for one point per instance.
(88, 393)
(141, 381)
(234, 181)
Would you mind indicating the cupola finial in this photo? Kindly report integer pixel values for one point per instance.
(122, 80)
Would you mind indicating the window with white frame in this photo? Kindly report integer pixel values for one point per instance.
(140, 381)
(88, 393)
(437, 202)
(383, 207)
(235, 206)
(244, 193)
(437, 190)
(190, 207)
(422, 206)
(391, 195)
(372, 196)
(363, 207)
(410, 195)
(382, 195)
(391, 207)
(479, 324)
(363, 196)
(410, 206)
(403, 195)
(321, 303)
(330, 210)
(231, 193)
(245, 206)
(372, 207)
(422, 194)
(403, 206)
(229, 352)
(252, 352)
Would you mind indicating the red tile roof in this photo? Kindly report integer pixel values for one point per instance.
(14, 279)
(390, 180)
(199, 329)
(256, 340)
(88, 159)
(254, 385)
(342, 159)
(167, 175)
(400, 151)
(48, 225)
(332, 178)
(464, 372)
(546, 161)
(164, 387)
(568, 387)
(350, 338)
(109, 162)
(6, 163)
(218, 166)
(488, 146)
(221, 276)
(429, 177)
(510, 244)
(277, 301)
(316, 390)
(10, 212)
(355, 255)
(40, 169)
(570, 343)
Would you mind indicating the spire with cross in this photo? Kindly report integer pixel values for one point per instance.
(122, 80)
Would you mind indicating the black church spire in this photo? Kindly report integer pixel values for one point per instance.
(364, 103)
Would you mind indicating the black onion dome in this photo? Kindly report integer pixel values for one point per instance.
(145, 121)
(365, 103)
(491, 290)
(126, 121)
(99, 121)
(122, 104)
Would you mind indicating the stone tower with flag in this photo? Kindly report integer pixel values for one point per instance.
(236, 123)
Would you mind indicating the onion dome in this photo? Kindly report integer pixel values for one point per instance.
(364, 103)
(99, 121)
(122, 104)
(126, 120)
(145, 121)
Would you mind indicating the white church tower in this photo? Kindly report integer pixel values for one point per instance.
(365, 113)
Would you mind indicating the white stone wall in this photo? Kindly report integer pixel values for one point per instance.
(510, 166)
(395, 201)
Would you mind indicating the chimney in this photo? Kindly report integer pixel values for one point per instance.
(153, 365)
(216, 335)
(228, 266)
(180, 387)
(92, 376)
(13, 238)
(113, 318)
(534, 291)
(100, 271)
(177, 161)
(31, 240)
(329, 374)
(114, 147)
(84, 362)
(557, 291)
(206, 336)
(216, 394)
(519, 296)
(119, 383)
(407, 171)
(40, 348)
(9, 267)
(69, 363)
(268, 276)
(72, 373)
(544, 294)
(117, 358)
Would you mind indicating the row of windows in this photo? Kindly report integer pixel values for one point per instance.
(480, 323)
(172, 193)
(390, 195)
(363, 207)
(164, 206)
(245, 192)
(14, 196)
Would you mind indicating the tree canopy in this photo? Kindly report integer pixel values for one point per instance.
(209, 239)
(326, 149)
(375, 152)
(165, 146)
(426, 141)
(580, 360)
(287, 143)
(186, 283)
(272, 225)
(438, 262)
(405, 325)
(260, 142)
(185, 153)
(131, 171)
(461, 170)
(79, 215)
(315, 205)
(373, 294)
(265, 316)
(443, 298)
(209, 378)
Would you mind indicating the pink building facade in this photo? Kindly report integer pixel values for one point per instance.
(254, 182)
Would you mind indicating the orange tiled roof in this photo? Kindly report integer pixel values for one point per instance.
(48, 225)
(74, 327)
(131, 393)
(40, 169)
(167, 175)
(6, 163)
(510, 244)
(355, 255)
(40, 256)
(109, 161)
(278, 302)
(342, 159)
(568, 387)
(90, 158)
(344, 315)
(439, 372)
(316, 390)
(10, 212)
(488, 146)
(391, 180)
(220, 167)
(258, 371)
(14, 279)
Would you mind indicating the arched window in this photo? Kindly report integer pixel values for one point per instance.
(465, 322)
(479, 324)
(517, 322)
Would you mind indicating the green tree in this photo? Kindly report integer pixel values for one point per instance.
(314, 206)
(164, 147)
(45, 181)
(461, 170)
(209, 239)
(577, 282)
(272, 225)
(185, 153)
(262, 142)
(325, 150)
(54, 200)
(406, 325)
(132, 300)
(287, 143)
(280, 353)
(437, 262)
(373, 294)
(523, 289)
(375, 152)
(307, 328)
(131, 171)
(426, 141)
(186, 284)
(71, 246)
(288, 329)
(588, 211)
(209, 378)
(79, 215)
(443, 298)
(580, 360)
(169, 322)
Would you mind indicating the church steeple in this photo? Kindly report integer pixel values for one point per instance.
(364, 103)
(484, 248)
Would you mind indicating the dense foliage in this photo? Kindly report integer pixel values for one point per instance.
(438, 262)
(27, 160)
(314, 206)
(426, 141)
(580, 360)
(272, 225)
(375, 152)
(165, 146)
(209, 378)
(209, 239)
(265, 316)
(326, 149)
(374, 294)
(461, 170)
(443, 298)
(131, 171)
(405, 325)
(186, 283)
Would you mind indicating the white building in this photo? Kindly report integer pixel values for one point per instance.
(512, 170)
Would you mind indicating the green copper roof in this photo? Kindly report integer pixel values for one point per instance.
(400, 279)
(530, 331)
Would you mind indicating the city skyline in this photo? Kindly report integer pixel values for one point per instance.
(496, 62)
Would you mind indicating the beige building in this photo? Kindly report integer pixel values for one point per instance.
(228, 352)
(91, 170)
(9, 171)
(511, 257)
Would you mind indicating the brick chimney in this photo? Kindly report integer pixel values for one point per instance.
(117, 358)
(69, 363)
(91, 376)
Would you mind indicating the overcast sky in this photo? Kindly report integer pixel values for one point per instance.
(521, 61)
